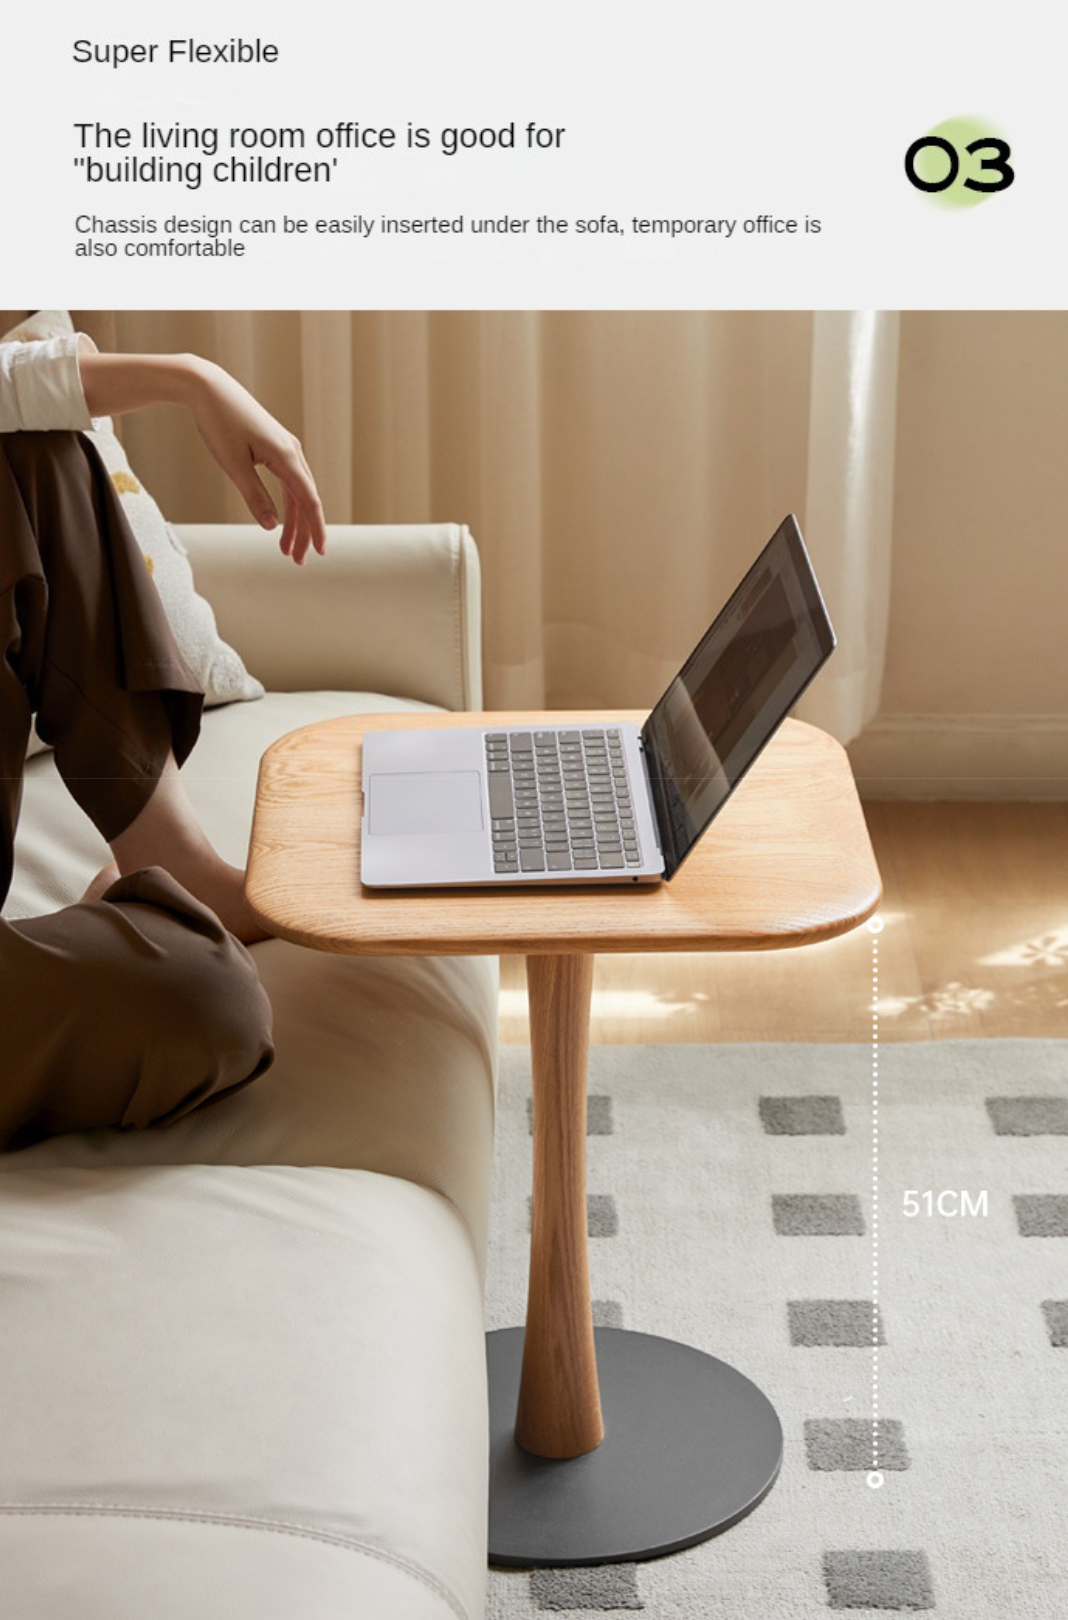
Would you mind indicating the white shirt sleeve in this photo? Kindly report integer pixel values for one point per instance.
(41, 386)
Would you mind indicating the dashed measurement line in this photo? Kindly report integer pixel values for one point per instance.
(875, 927)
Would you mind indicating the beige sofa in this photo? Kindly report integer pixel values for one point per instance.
(243, 1368)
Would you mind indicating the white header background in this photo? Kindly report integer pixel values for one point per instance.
(669, 110)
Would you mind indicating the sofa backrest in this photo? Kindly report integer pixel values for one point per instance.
(388, 609)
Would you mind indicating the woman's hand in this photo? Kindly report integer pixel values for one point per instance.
(242, 436)
(238, 432)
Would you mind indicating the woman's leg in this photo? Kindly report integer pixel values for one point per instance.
(85, 634)
(130, 1010)
(138, 1005)
(89, 648)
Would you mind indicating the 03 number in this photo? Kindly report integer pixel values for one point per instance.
(998, 164)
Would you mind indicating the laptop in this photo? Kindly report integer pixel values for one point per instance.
(586, 803)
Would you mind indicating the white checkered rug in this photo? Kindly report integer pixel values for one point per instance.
(731, 1207)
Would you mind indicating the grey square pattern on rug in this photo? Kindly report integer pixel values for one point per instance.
(844, 1445)
(802, 1116)
(878, 1580)
(817, 1215)
(608, 1586)
(834, 1322)
(602, 1216)
(693, 1142)
(1056, 1313)
(1042, 1214)
(1028, 1116)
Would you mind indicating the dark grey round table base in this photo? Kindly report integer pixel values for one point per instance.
(691, 1446)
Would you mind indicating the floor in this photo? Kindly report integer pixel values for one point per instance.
(975, 943)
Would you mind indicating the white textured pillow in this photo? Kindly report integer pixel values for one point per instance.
(216, 665)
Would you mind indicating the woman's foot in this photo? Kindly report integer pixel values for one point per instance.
(217, 885)
(107, 875)
(167, 834)
(222, 888)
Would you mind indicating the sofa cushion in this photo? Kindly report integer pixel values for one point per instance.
(79, 1566)
(385, 1064)
(237, 1384)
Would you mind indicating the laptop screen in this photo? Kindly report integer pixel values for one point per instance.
(734, 690)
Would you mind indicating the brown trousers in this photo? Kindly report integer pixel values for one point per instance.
(133, 1009)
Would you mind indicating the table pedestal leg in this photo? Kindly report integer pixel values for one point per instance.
(687, 1445)
(559, 1408)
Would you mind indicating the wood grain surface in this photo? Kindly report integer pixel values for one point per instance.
(787, 862)
(559, 1411)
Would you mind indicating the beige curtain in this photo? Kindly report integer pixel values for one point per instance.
(618, 470)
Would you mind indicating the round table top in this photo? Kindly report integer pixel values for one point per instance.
(787, 861)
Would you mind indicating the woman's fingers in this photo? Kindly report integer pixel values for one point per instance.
(290, 542)
(317, 524)
(308, 524)
(253, 491)
(302, 513)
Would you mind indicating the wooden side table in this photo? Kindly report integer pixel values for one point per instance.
(683, 1445)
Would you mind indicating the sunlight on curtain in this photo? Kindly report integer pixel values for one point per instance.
(849, 507)
(618, 470)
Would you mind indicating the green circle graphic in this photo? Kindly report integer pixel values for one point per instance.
(932, 163)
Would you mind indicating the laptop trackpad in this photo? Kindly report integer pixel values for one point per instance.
(423, 802)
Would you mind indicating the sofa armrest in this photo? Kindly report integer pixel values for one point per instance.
(391, 609)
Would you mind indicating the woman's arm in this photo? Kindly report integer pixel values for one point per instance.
(236, 429)
(40, 389)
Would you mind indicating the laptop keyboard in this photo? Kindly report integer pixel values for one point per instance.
(560, 801)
